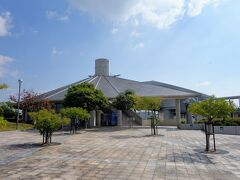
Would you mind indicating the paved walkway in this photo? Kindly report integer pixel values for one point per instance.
(113, 153)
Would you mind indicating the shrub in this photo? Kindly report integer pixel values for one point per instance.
(75, 114)
(183, 121)
(222, 122)
(3, 122)
(1, 111)
(124, 100)
(7, 110)
(47, 122)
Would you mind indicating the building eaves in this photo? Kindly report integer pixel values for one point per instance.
(55, 92)
(176, 88)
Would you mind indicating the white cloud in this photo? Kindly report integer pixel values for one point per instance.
(195, 7)
(139, 45)
(203, 84)
(136, 22)
(135, 34)
(5, 23)
(114, 30)
(63, 18)
(158, 13)
(55, 51)
(4, 60)
(56, 16)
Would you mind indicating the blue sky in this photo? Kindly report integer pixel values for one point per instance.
(189, 43)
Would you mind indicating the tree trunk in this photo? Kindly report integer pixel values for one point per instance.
(43, 137)
(72, 126)
(154, 128)
(207, 142)
(151, 126)
(86, 124)
(47, 138)
(156, 125)
(156, 122)
(208, 133)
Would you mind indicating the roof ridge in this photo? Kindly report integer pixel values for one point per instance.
(98, 82)
(112, 85)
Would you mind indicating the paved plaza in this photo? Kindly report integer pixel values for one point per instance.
(119, 153)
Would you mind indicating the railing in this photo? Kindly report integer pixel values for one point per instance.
(132, 114)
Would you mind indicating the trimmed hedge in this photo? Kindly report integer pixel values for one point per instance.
(222, 122)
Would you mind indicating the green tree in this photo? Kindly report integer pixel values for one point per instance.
(46, 122)
(152, 104)
(3, 122)
(85, 96)
(210, 109)
(75, 114)
(6, 110)
(125, 100)
(213, 108)
(3, 86)
(1, 111)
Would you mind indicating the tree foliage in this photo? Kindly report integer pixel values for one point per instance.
(125, 100)
(31, 101)
(3, 122)
(210, 109)
(3, 86)
(152, 104)
(46, 122)
(85, 96)
(75, 113)
(1, 111)
(6, 110)
(147, 103)
(213, 108)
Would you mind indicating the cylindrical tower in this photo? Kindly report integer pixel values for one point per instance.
(102, 67)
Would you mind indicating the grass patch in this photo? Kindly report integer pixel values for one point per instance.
(11, 126)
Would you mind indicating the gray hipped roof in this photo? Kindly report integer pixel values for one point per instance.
(201, 96)
(111, 86)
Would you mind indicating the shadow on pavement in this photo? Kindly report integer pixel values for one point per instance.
(22, 146)
(130, 136)
(27, 146)
(218, 151)
(106, 129)
(174, 128)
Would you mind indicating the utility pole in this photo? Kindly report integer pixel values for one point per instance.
(18, 103)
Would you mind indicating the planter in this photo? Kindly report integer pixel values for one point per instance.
(233, 130)
(191, 126)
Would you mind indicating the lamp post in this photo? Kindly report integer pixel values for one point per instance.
(18, 103)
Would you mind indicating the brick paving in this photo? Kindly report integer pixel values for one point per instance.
(119, 153)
